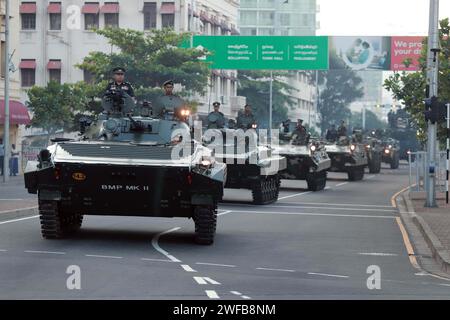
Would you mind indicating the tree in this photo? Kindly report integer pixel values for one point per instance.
(339, 88)
(55, 106)
(409, 87)
(150, 59)
(372, 121)
(255, 86)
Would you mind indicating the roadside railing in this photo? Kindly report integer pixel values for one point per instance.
(418, 169)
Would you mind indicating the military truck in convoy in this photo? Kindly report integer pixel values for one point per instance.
(306, 158)
(391, 152)
(374, 150)
(127, 164)
(250, 164)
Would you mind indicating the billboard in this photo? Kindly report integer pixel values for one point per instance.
(265, 52)
(406, 49)
(360, 53)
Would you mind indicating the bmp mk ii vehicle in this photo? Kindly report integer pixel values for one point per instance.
(374, 149)
(391, 153)
(127, 165)
(249, 165)
(307, 159)
(347, 157)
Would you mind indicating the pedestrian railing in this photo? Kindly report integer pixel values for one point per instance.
(418, 169)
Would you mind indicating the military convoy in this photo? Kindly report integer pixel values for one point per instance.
(306, 158)
(374, 150)
(391, 153)
(127, 165)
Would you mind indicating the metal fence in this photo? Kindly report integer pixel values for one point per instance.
(418, 169)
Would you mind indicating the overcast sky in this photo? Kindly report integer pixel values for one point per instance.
(377, 17)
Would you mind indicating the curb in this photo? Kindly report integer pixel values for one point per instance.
(19, 213)
(439, 253)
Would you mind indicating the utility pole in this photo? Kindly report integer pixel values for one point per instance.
(364, 117)
(7, 63)
(432, 86)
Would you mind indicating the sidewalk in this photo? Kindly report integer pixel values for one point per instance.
(434, 224)
(15, 200)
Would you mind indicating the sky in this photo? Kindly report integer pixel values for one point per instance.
(376, 17)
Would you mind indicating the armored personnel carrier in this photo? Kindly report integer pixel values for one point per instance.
(391, 153)
(306, 158)
(374, 150)
(249, 164)
(127, 165)
(348, 157)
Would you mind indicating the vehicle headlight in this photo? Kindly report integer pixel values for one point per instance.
(207, 162)
(386, 151)
(353, 147)
(368, 146)
(390, 146)
(185, 112)
(254, 126)
(313, 148)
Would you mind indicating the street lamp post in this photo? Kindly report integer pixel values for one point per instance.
(7, 62)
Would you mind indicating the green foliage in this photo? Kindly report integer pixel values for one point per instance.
(150, 59)
(55, 106)
(339, 89)
(255, 86)
(409, 87)
(372, 121)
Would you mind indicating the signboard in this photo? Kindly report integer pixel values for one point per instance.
(406, 49)
(360, 53)
(265, 52)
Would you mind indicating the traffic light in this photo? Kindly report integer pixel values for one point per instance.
(435, 111)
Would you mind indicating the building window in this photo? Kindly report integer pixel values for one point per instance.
(28, 77)
(149, 15)
(88, 76)
(168, 20)
(91, 21)
(55, 75)
(111, 20)
(55, 21)
(28, 21)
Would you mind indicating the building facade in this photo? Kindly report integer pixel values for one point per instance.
(286, 18)
(55, 36)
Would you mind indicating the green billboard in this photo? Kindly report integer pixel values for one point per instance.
(265, 52)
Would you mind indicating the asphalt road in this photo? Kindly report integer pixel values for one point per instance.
(306, 246)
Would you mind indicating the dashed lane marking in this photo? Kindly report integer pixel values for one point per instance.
(156, 260)
(370, 177)
(205, 280)
(159, 249)
(294, 195)
(20, 219)
(341, 184)
(187, 268)
(44, 252)
(316, 214)
(216, 264)
(3, 250)
(327, 275)
(319, 203)
(223, 213)
(333, 208)
(380, 254)
(101, 256)
(270, 269)
(212, 294)
(240, 295)
(246, 297)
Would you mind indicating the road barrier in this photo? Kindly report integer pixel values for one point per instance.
(418, 168)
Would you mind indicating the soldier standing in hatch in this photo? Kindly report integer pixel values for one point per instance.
(246, 119)
(168, 101)
(120, 83)
(342, 130)
(216, 119)
(299, 133)
(332, 133)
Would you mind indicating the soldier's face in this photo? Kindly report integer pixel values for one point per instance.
(248, 109)
(118, 77)
(168, 89)
(216, 108)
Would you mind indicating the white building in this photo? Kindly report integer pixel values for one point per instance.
(286, 18)
(55, 36)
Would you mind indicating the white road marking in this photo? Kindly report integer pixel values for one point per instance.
(378, 254)
(101, 256)
(216, 264)
(319, 203)
(13, 199)
(270, 269)
(236, 293)
(212, 294)
(370, 177)
(332, 208)
(21, 219)
(187, 268)
(444, 284)
(316, 214)
(205, 280)
(223, 213)
(156, 260)
(341, 184)
(327, 275)
(3, 250)
(44, 252)
(246, 297)
(159, 249)
(294, 195)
